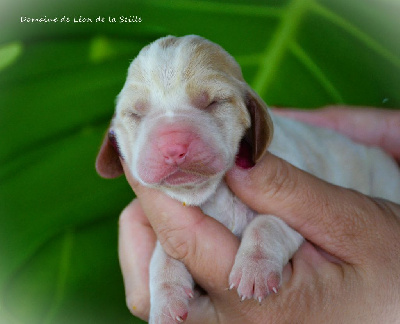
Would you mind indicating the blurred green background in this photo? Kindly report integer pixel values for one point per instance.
(58, 81)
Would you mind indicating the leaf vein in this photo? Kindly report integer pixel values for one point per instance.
(279, 44)
(316, 71)
(357, 33)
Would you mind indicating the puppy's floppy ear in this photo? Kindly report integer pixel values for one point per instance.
(108, 164)
(260, 133)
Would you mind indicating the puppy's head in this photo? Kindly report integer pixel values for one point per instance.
(180, 119)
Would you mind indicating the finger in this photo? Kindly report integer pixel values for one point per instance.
(370, 126)
(202, 310)
(311, 258)
(337, 219)
(315, 277)
(189, 235)
(136, 245)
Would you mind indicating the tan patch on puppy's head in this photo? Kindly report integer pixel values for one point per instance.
(168, 41)
(207, 55)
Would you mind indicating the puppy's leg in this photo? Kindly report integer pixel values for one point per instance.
(171, 287)
(267, 245)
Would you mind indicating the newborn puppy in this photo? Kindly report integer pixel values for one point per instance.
(182, 117)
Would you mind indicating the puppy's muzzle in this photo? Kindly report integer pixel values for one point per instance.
(178, 153)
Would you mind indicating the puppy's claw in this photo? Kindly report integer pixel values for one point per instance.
(181, 319)
(231, 286)
(275, 290)
(189, 292)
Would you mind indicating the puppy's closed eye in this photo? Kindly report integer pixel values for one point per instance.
(219, 101)
(134, 115)
(141, 107)
(213, 103)
(202, 100)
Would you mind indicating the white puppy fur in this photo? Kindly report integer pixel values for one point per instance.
(178, 125)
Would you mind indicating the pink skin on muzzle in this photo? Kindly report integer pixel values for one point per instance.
(176, 155)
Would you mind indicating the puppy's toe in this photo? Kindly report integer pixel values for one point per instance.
(170, 305)
(255, 277)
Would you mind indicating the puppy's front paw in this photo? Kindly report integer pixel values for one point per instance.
(170, 303)
(267, 245)
(255, 275)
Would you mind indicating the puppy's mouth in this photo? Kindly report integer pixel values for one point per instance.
(244, 156)
(188, 177)
(180, 178)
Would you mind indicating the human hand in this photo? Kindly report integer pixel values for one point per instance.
(366, 125)
(360, 284)
(362, 288)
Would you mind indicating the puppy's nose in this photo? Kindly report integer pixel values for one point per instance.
(174, 154)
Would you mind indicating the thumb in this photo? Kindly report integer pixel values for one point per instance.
(327, 215)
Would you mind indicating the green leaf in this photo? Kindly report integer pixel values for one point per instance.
(9, 54)
(58, 82)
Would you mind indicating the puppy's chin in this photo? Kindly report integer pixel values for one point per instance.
(184, 179)
(194, 194)
(190, 188)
